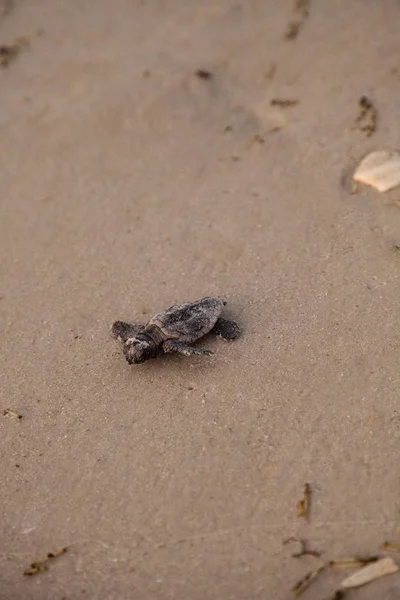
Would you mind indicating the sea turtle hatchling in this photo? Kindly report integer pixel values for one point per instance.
(172, 330)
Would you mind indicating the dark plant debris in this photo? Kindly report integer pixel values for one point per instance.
(8, 54)
(283, 103)
(367, 117)
(259, 138)
(11, 413)
(303, 505)
(301, 10)
(306, 581)
(35, 570)
(390, 546)
(40, 565)
(203, 74)
(292, 30)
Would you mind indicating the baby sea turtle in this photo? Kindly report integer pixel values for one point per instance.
(172, 330)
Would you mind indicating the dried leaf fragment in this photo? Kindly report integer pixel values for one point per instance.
(11, 413)
(304, 583)
(303, 505)
(384, 566)
(390, 547)
(380, 169)
(351, 562)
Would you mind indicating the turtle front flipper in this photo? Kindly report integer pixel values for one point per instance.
(229, 330)
(181, 348)
(123, 331)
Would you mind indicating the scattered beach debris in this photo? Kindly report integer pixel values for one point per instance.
(302, 11)
(304, 549)
(367, 568)
(368, 116)
(11, 413)
(174, 329)
(203, 74)
(306, 581)
(389, 546)
(380, 169)
(384, 566)
(41, 565)
(303, 505)
(283, 103)
(351, 562)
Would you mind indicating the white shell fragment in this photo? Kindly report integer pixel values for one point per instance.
(381, 567)
(381, 169)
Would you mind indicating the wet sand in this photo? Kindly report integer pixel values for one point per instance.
(128, 184)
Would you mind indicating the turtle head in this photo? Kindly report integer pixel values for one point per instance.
(137, 351)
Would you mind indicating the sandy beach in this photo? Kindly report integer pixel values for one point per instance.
(130, 182)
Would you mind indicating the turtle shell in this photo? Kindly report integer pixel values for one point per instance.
(189, 321)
